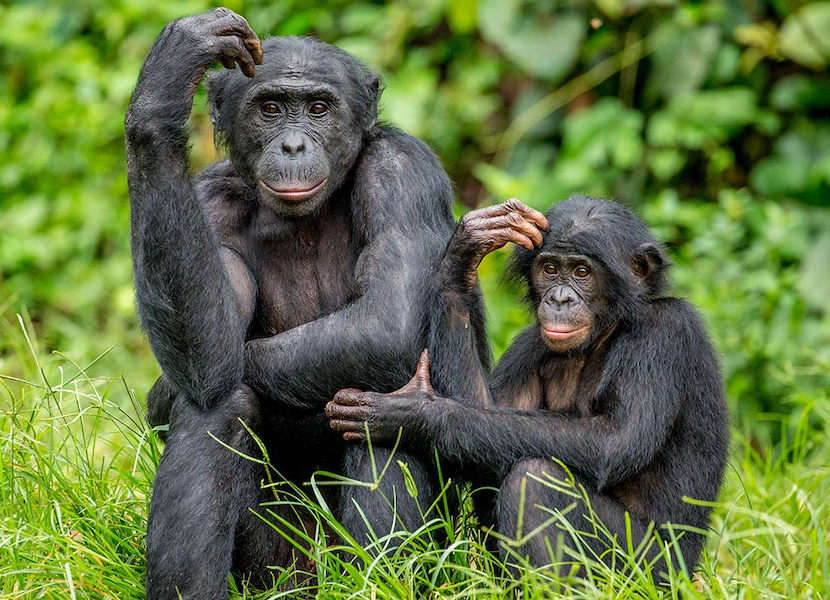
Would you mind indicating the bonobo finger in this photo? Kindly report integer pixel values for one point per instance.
(517, 222)
(349, 427)
(353, 436)
(230, 47)
(420, 382)
(511, 235)
(254, 46)
(348, 397)
(344, 425)
(528, 213)
(227, 62)
(230, 23)
(340, 412)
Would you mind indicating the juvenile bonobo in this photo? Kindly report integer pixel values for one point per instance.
(614, 380)
(267, 282)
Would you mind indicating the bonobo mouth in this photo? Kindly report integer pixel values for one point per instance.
(562, 332)
(291, 194)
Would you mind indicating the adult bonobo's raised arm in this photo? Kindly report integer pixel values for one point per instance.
(195, 294)
(615, 381)
(314, 245)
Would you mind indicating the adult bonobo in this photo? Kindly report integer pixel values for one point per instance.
(615, 381)
(300, 266)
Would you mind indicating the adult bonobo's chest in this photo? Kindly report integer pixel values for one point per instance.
(305, 270)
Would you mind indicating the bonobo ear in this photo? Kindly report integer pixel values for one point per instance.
(372, 84)
(650, 265)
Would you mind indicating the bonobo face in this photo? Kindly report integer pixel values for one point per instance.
(299, 123)
(567, 286)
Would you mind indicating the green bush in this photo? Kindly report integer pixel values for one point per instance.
(710, 118)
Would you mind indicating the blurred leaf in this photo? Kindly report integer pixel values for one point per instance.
(682, 63)
(805, 35)
(606, 134)
(461, 15)
(693, 120)
(538, 39)
(800, 93)
(799, 166)
(814, 284)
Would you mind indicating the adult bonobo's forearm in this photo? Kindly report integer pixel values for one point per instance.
(187, 301)
(458, 342)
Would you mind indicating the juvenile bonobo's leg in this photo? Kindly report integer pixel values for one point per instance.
(389, 507)
(526, 505)
(201, 489)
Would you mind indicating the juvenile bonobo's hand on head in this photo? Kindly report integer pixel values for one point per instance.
(300, 265)
(615, 381)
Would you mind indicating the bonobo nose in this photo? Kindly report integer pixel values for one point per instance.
(293, 143)
(560, 298)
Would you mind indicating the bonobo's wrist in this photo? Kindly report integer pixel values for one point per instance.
(434, 417)
(459, 267)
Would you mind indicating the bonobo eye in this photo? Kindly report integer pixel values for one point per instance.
(270, 108)
(581, 272)
(550, 269)
(318, 108)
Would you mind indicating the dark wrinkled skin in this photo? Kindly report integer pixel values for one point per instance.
(302, 265)
(615, 382)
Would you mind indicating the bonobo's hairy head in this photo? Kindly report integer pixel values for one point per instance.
(597, 266)
(294, 130)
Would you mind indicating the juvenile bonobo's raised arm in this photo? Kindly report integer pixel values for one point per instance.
(458, 342)
(195, 297)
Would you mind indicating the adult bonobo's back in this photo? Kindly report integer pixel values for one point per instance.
(298, 267)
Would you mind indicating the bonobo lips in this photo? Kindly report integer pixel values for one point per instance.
(291, 194)
(562, 332)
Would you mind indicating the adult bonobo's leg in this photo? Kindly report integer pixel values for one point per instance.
(201, 490)
(195, 300)
(372, 513)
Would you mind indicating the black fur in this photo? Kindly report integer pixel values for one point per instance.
(636, 412)
(259, 308)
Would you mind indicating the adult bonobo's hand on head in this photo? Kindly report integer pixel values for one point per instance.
(484, 230)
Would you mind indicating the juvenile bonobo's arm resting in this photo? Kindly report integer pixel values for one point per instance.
(194, 296)
(457, 338)
(403, 198)
(643, 401)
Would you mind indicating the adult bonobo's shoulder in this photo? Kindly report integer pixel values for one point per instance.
(404, 179)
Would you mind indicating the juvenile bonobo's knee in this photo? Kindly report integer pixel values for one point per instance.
(528, 505)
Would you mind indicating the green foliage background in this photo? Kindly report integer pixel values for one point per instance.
(710, 118)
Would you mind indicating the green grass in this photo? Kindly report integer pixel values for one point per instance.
(78, 462)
